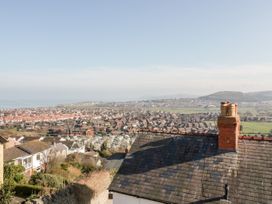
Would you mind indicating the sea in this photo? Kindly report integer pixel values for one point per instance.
(13, 104)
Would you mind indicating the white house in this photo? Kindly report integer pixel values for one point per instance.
(74, 146)
(32, 155)
(59, 150)
(126, 199)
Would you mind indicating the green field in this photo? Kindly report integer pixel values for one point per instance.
(256, 127)
(190, 110)
(186, 110)
(248, 127)
(243, 111)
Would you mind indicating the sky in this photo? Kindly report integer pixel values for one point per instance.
(133, 49)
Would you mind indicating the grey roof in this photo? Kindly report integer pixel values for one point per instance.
(34, 146)
(13, 153)
(25, 149)
(69, 144)
(3, 140)
(51, 140)
(191, 169)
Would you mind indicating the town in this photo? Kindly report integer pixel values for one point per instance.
(69, 142)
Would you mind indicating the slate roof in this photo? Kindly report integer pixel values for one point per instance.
(3, 140)
(69, 144)
(13, 153)
(191, 169)
(34, 146)
(25, 149)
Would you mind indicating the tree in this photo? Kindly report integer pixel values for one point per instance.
(69, 125)
(105, 152)
(45, 157)
(105, 145)
(6, 193)
(12, 174)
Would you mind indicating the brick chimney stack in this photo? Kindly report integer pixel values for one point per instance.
(229, 127)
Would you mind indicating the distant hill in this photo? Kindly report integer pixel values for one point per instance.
(172, 96)
(239, 96)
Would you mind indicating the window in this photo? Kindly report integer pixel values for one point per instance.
(27, 162)
(38, 157)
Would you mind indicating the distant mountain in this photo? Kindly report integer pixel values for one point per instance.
(239, 96)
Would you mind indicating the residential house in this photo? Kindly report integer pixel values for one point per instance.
(33, 155)
(179, 169)
(58, 149)
(74, 146)
(63, 146)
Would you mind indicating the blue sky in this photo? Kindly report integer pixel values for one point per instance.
(123, 50)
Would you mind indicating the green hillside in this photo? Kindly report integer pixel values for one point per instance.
(239, 96)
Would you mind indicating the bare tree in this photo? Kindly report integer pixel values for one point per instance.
(69, 125)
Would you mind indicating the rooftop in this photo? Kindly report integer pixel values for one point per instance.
(13, 153)
(25, 149)
(34, 146)
(191, 169)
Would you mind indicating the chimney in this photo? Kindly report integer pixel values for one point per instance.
(229, 127)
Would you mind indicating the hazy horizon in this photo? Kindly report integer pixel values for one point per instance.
(34, 103)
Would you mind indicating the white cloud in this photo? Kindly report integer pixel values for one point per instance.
(132, 83)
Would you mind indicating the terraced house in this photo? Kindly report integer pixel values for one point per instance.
(178, 169)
